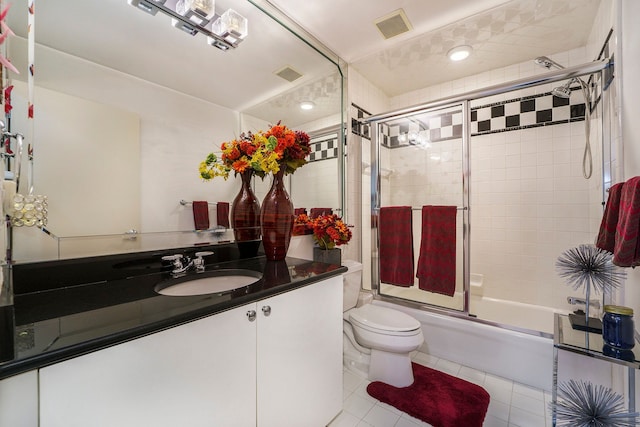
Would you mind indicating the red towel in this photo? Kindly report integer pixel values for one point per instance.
(396, 246)
(626, 252)
(201, 215)
(223, 214)
(607, 236)
(437, 260)
(316, 212)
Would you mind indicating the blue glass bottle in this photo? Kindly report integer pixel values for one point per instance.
(617, 327)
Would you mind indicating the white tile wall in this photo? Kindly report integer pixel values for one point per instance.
(364, 94)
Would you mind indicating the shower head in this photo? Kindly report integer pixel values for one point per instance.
(547, 63)
(562, 91)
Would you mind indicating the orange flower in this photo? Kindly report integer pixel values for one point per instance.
(240, 165)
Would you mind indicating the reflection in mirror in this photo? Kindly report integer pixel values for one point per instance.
(123, 118)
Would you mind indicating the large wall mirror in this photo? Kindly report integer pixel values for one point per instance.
(126, 106)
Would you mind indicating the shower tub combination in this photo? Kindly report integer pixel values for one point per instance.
(486, 333)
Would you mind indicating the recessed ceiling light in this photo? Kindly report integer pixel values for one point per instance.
(459, 53)
(307, 105)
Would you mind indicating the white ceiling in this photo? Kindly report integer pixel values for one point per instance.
(347, 27)
(121, 38)
(501, 33)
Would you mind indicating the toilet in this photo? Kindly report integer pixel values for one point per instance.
(377, 340)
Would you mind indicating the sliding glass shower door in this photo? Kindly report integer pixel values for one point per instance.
(421, 158)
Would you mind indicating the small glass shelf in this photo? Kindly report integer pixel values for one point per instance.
(591, 344)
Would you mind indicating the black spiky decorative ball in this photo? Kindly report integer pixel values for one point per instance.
(588, 265)
(581, 404)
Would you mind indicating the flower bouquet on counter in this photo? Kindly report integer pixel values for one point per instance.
(248, 153)
(291, 147)
(330, 231)
(261, 152)
(279, 151)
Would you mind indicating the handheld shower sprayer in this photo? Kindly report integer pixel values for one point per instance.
(547, 62)
(564, 92)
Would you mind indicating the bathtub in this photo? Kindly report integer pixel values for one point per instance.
(522, 357)
(520, 315)
(530, 317)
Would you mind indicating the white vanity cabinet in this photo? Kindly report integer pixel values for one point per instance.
(198, 374)
(300, 356)
(283, 368)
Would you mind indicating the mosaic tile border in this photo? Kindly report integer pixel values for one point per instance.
(526, 112)
(358, 126)
(323, 148)
(514, 114)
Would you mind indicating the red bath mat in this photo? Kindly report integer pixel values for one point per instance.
(436, 398)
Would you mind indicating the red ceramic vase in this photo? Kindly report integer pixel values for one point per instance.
(245, 218)
(276, 218)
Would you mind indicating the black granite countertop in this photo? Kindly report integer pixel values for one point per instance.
(74, 314)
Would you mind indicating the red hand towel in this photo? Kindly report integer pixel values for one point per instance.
(607, 236)
(626, 252)
(316, 212)
(396, 246)
(437, 260)
(201, 215)
(223, 214)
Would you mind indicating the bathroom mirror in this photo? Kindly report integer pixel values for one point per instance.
(126, 106)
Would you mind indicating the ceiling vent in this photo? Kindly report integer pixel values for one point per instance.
(288, 73)
(394, 24)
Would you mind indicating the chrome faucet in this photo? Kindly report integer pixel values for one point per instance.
(183, 263)
(575, 300)
(198, 262)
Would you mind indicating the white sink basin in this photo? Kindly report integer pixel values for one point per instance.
(211, 282)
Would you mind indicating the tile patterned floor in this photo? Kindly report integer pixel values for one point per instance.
(512, 404)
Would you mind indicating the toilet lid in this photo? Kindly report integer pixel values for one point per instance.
(384, 319)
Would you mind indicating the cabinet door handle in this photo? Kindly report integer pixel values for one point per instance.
(266, 310)
(251, 315)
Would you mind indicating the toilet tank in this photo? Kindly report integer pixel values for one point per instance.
(352, 283)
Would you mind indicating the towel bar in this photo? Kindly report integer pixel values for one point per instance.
(184, 203)
(460, 208)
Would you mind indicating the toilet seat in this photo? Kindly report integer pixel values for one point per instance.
(384, 321)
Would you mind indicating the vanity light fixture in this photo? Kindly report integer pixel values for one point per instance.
(459, 53)
(307, 105)
(224, 31)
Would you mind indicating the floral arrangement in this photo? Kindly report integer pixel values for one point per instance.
(262, 152)
(329, 231)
